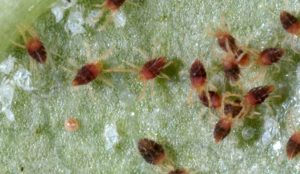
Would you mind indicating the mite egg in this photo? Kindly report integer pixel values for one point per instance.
(293, 145)
(152, 68)
(198, 75)
(290, 23)
(214, 100)
(87, 73)
(222, 128)
(36, 50)
(151, 151)
(270, 55)
(258, 95)
(71, 124)
(114, 5)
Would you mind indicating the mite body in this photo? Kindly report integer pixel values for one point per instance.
(36, 50)
(232, 109)
(258, 95)
(151, 151)
(114, 5)
(231, 69)
(214, 100)
(152, 68)
(226, 41)
(222, 128)
(178, 171)
(293, 145)
(198, 75)
(290, 23)
(87, 73)
(242, 57)
(270, 55)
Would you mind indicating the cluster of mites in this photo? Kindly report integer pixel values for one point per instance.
(231, 106)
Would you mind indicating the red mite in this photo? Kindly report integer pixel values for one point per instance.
(222, 128)
(87, 73)
(152, 68)
(151, 151)
(36, 50)
(290, 23)
(293, 145)
(215, 99)
(269, 56)
(242, 57)
(233, 109)
(231, 69)
(178, 171)
(198, 75)
(226, 41)
(258, 95)
(114, 5)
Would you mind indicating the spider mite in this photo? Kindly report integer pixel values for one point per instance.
(293, 145)
(231, 69)
(152, 68)
(71, 124)
(226, 41)
(113, 5)
(151, 151)
(198, 75)
(290, 23)
(33, 45)
(222, 128)
(214, 100)
(87, 73)
(270, 55)
(258, 95)
(178, 171)
(242, 57)
(233, 109)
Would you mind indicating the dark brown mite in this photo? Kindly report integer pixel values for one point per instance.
(178, 171)
(290, 23)
(151, 151)
(232, 109)
(293, 145)
(270, 55)
(87, 73)
(222, 128)
(152, 68)
(114, 5)
(198, 75)
(258, 95)
(231, 69)
(242, 57)
(36, 50)
(226, 41)
(215, 99)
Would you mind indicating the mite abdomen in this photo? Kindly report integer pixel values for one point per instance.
(151, 151)
(36, 50)
(87, 73)
(152, 68)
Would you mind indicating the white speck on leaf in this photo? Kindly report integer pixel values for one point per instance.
(75, 22)
(7, 65)
(7, 90)
(22, 79)
(93, 17)
(111, 136)
(59, 8)
(119, 18)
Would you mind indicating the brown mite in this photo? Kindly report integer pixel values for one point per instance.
(198, 75)
(293, 145)
(233, 109)
(222, 128)
(214, 100)
(152, 68)
(269, 56)
(178, 171)
(151, 151)
(36, 50)
(114, 5)
(231, 69)
(290, 23)
(226, 41)
(242, 57)
(258, 95)
(87, 73)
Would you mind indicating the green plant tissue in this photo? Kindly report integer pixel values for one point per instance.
(36, 99)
